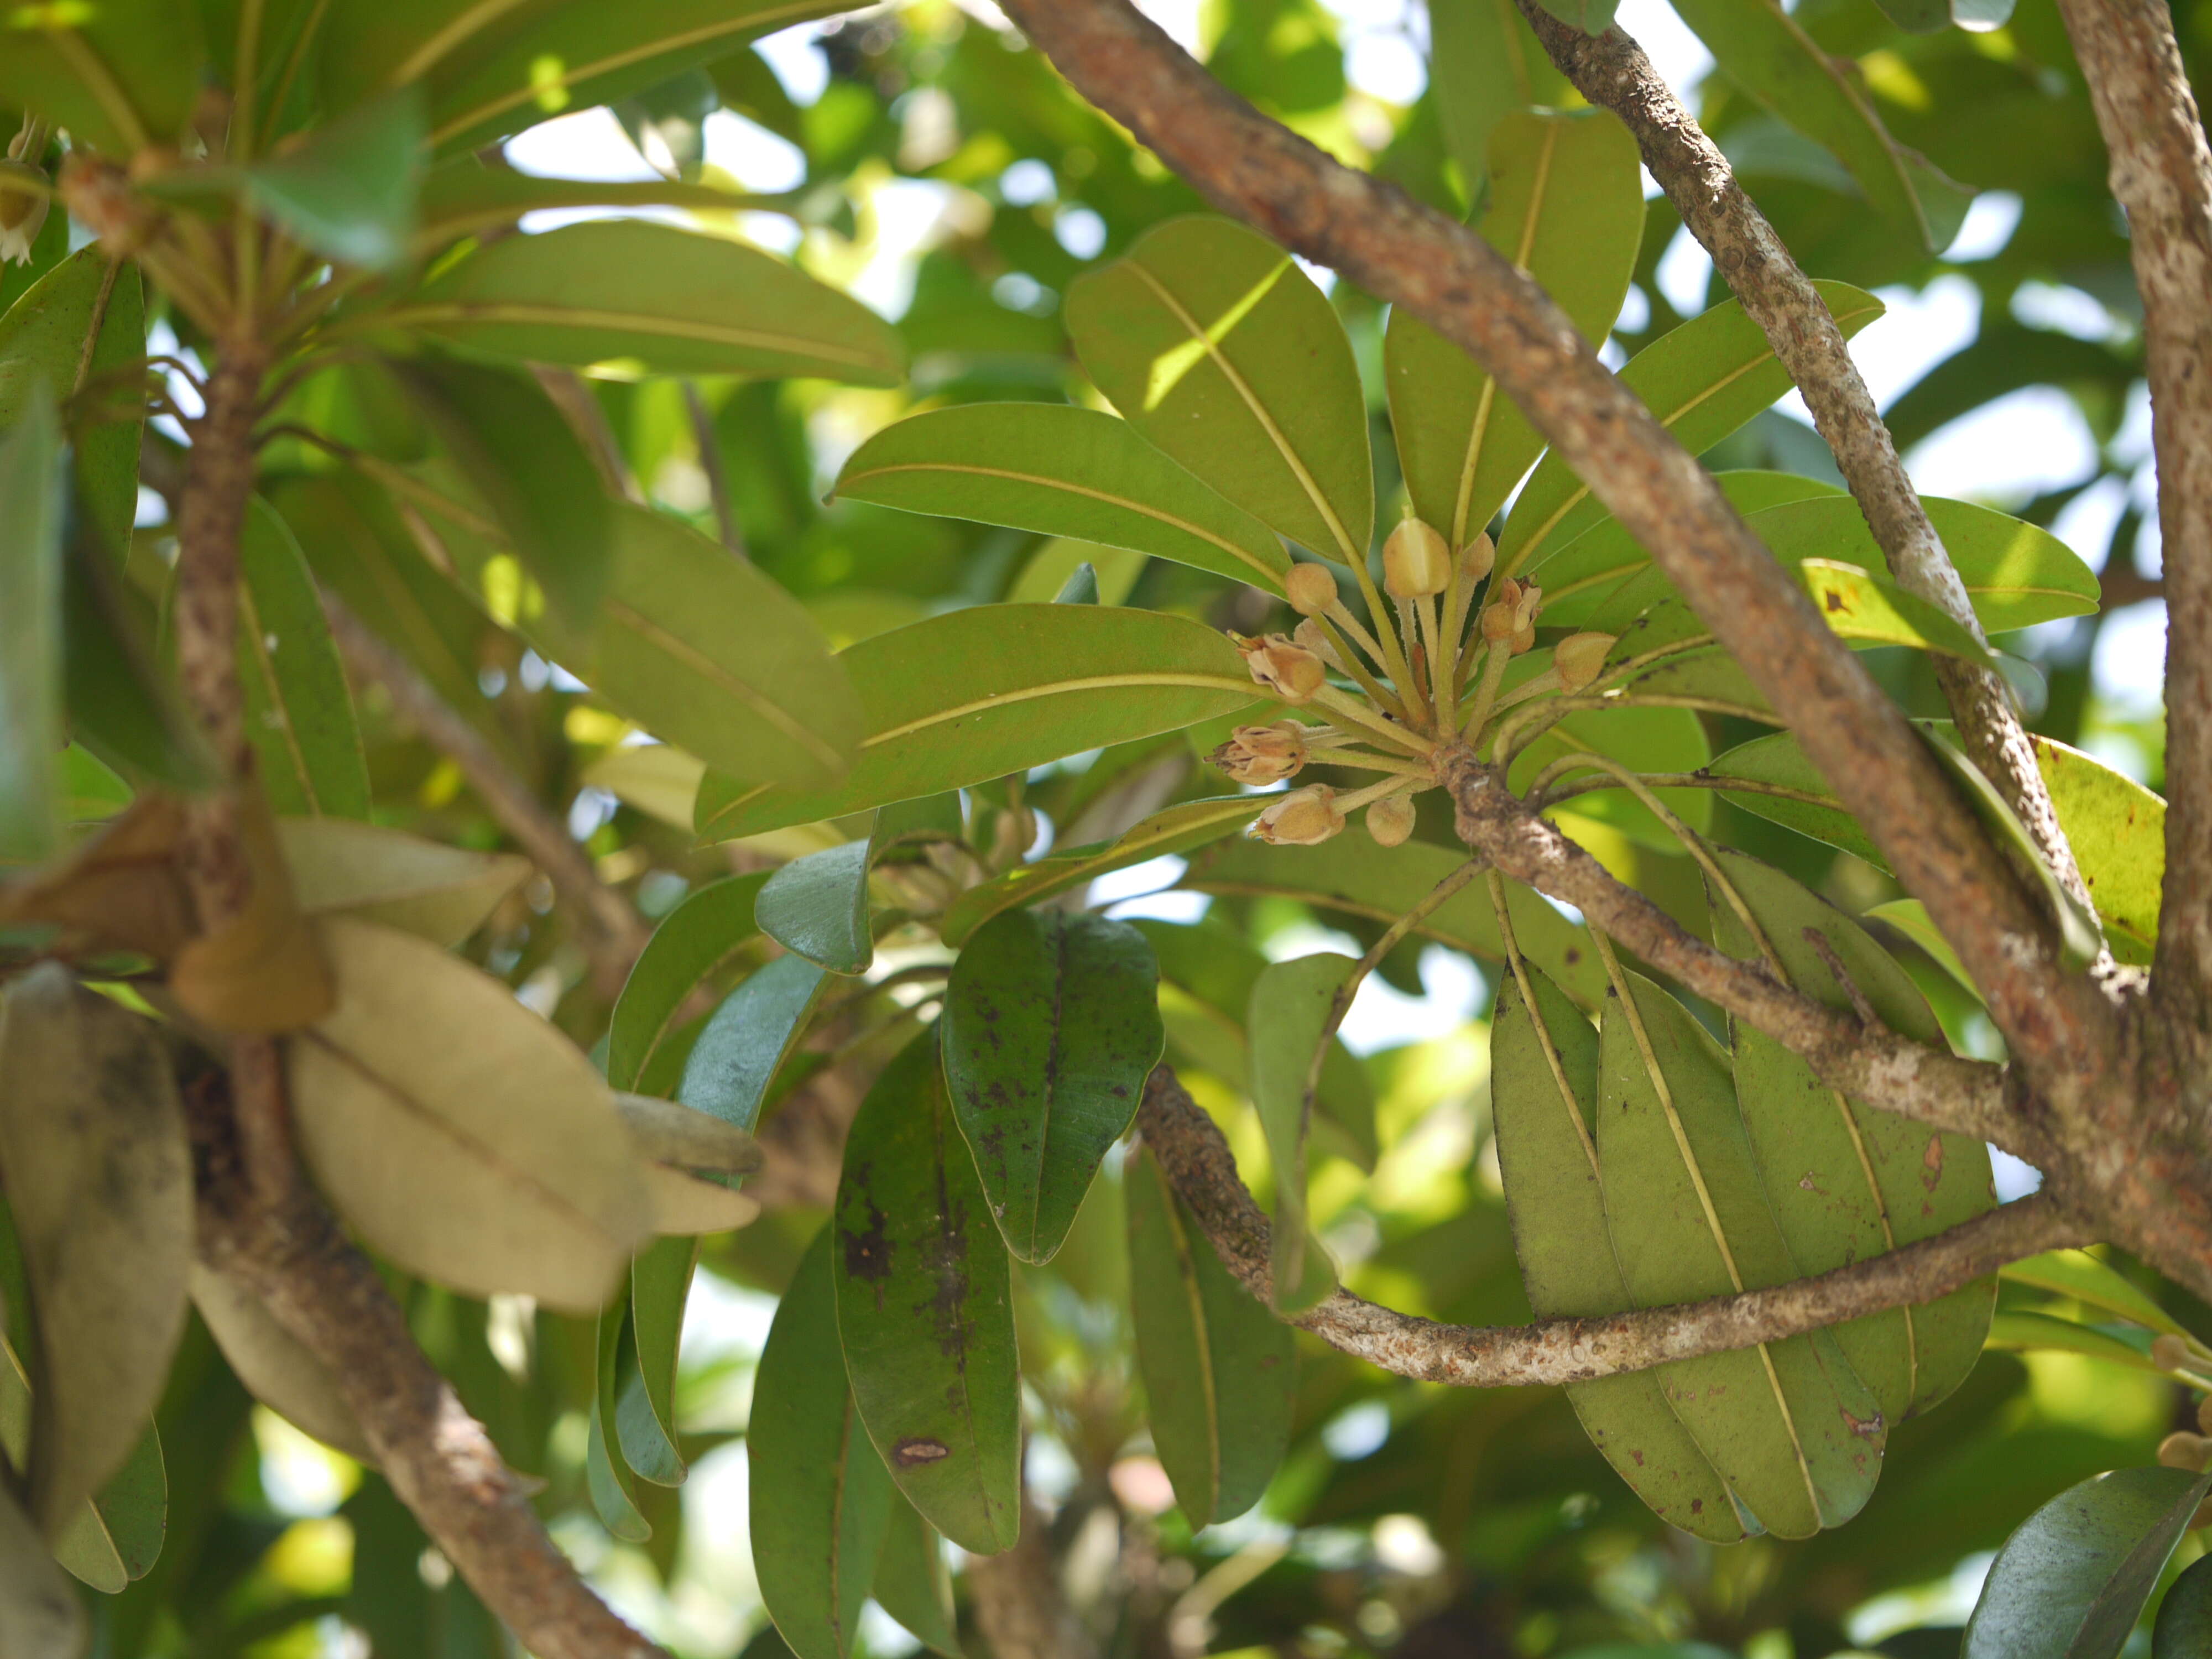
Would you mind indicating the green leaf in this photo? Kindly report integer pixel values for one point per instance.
(911, 1582)
(117, 1537)
(92, 1134)
(464, 198)
(1846, 1180)
(1219, 1370)
(1703, 380)
(33, 780)
(1772, 58)
(1654, 739)
(1859, 605)
(437, 892)
(818, 908)
(1567, 208)
(1219, 349)
(43, 340)
(2118, 830)
(347, 193)
(1051, 1026)
(1347, 874)
(1175, 829)
(1911, 918)
(977, 694)
(1290, 1005)
(1484, 63)
(696, 944)
(645, 1416)
(2078, 1274)
(2073, 1580)
(925, 1307)
(122, 707)
(148, 55)
(299, 710)
(40, 1614)
(822, 1502)
(671, 301)
(606, 1477)
(749, 1038)
(2020, 1331)
(1081, 586)
(1789, 1425)
(1543, 1098)
(1061, 471)
(2185, 1618)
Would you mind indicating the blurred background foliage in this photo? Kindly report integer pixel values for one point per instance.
(923, 155)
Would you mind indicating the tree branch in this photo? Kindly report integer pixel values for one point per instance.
(2059, 1024)
(2161, 172)
(1198, 1163)
(1612, 71)
(611, 932)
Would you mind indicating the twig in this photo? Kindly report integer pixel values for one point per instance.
(612, 934)
(1198, 1163)
(726, 526)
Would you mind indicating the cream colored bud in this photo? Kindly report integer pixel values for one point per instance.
(1307, 636)
(1276, 663)
(1390, 820)
(2184, 1451)
(1261, 755)
(2169, 1353)
(2204, 1414)
(1524, 618)
(1580, 658)
(1311, 589)
(1478, 558)
(1416, 562)
(22, 211)
(1305, 818)
(1498, 620)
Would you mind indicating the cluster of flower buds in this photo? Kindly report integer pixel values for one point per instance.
(1281, 665)
(1261, 755)
(1303, 817)
(1580, 659)
(1390, 820)
(1509, 618)
(22, 204)
(1416, 561)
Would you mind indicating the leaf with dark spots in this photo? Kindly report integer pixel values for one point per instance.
(925, 1307)
(1051, 1025)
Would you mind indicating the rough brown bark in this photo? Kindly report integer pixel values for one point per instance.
(1198, 1161)
(2161, 172)
(1612, 71)
(2060, 1025)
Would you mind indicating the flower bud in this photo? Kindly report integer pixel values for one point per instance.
(2204, 1414)
(98, 196)
(1305, 818)
(1307, 636)
(1415, 562)
(1311, 589)
(1277, 664)
(1580, 658)
(1390, 820)
(1478, 557)
(2185, 1451)
(1260, 755)
(22, 211)
(1524, 618)
(2169, 1353)
(1498, 622)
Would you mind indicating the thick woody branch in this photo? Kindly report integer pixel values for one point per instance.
(611, 932)
(2161, 172)
(1198, 1163)
(2059, 1025)
(1612, 71)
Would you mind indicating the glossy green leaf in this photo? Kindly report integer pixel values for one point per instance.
(349, 191)
(979, 693)
(2078, 1274)
(748, 1039)
(924, 1308)
(1484, 63)
(1220, 1372)
(2073, 1580)
(645, 1416)
(150, 52)
(1350, 874)
(2184, 1629)
(1175, 829)
(1051, 1026)
(671, 301)
(696, 943)
(1772, 57)
(606, 1476)
(911, 1583)
(42, 341)
(1543, 1100)
(818, 908)
(1846, 1180)
(1081, 586)
(1703, 380)
(1290, 1007)
(33, 780)
(1789, 1425)
(1566, 207)
(1220, 350)
(1061, 471)
(1859, 605)
(299, 709)
(2027, 1332)
(821, 1501)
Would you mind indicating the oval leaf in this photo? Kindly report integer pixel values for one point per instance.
(2185, 1618)
(818, 908)
(33, 783)
(645, 1417)
(1290, 1007)
(299, 709)
(696, 943)
(911, 1582)
(440, 893)
(748, 1039)
(275, 1366)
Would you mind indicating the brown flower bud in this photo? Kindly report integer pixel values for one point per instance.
(99, 195)
(1303, 817)
(2169, 1353)
(1416, 562)
(1524, 618)
(1390, 820)
(1311, 589)
(1478, 557)
(1498, 621)
(1307, 636)
(1580, 658)
(1259, 755)
(2184, 1451)
(1292, 670)
(2204, 1414)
